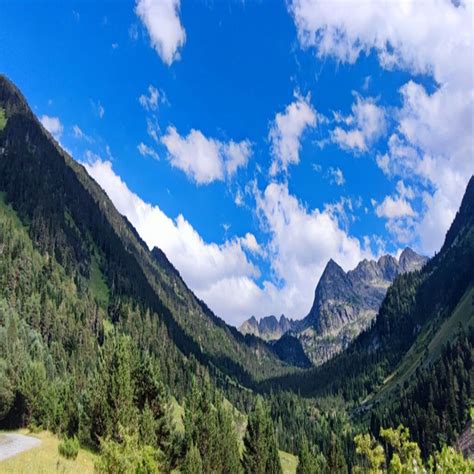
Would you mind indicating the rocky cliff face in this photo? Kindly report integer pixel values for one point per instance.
(346, 303)
(268, 328)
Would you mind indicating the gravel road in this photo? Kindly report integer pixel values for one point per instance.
(12, 444)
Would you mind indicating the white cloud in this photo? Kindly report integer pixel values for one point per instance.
(161, 19)
(365, 125)
(336, 176)
(302, 241)
(150, 101)
(80, 135)
(214, 272)
(147, 151)
(434, 140)
(399, 213)
(404, 190)
(286, 132)
(205, 159)
(53, 125)
(393, 208)
(250, 243)
(153, 128)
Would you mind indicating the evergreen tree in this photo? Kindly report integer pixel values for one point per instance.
(306, 464)
(192, 462)
(260, 448)
(229, 443)
(336, 459)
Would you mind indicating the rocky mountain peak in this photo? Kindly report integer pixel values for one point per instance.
(268, 328)
(345, 303)
(410, 261)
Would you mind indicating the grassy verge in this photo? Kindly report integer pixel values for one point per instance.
(45, 458)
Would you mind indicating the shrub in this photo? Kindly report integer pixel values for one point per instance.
(34, 428)
(69, 448)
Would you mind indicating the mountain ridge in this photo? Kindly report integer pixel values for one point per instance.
(268, 328)
(345, 303)
(68, 213)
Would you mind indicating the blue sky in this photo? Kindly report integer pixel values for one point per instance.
(253, 141)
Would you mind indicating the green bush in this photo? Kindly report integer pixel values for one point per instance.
(69, 448)
(34, 428)
(126, 457)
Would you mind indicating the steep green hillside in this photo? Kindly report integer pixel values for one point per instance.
(70, 218)
(429, 345)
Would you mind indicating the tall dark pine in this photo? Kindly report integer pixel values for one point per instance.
(261, 450)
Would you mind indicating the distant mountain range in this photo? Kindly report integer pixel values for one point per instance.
(268, 328)
(344, 305)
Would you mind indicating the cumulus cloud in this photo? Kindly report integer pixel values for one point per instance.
(363, 127)
(399, 213)
(203, 159)
(161, 19)
(147, 151)
(150, 101)
(433, 142)
(286, 132)
(301, 243)
(393, 208)
(222, 274)
(53, 125)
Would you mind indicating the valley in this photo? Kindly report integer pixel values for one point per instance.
(109, 358)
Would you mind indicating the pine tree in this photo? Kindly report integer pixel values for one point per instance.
(228, 441)
(192, 462)
(306, 463)
(260, 448)
(120, 391)
(336, 460)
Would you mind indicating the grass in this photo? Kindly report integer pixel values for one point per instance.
(9, 212)
(97, 284)
(289, 462)
(3, 119)
(177, 414)
(45, 458)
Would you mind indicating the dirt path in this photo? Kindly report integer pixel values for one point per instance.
(12, 444)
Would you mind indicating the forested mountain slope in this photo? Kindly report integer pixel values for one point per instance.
(422, 332)
(70, 218)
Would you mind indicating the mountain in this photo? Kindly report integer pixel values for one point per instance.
(269, 328)
(346, 303)
(103, 344)
(289, 349)
(414, 364)
(70, 219)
